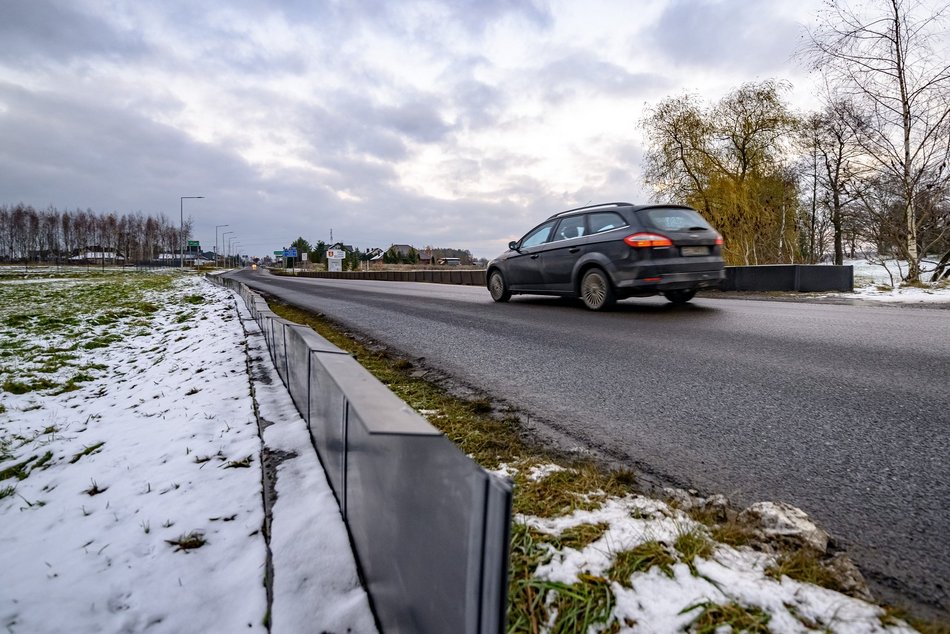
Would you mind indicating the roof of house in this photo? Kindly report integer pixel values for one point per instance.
(402, 249)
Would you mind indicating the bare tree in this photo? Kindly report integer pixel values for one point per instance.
(49, 234)
(834, 163)
(881, 59)
(27, 234)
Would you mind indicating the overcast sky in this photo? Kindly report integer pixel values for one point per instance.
(455, 124)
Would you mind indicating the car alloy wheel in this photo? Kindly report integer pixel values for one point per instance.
(596, 292)
(497, 287)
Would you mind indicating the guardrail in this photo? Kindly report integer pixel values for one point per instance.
(805, 278)
(773, 277)
(465, 277)
(430, 528)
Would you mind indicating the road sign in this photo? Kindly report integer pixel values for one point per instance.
(290, 253)
(194, 243)
(281, 252)
(336, 254)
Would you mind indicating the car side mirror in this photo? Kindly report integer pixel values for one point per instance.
(513, 245)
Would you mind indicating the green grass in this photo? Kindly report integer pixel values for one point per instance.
(22, 470)
(693, 543)
(803, 565)
(43, 461)
(641, 559)
(47, 327)
(19, 470)
(23, 387)
(87, 451)
(580, 536)
(713, 616)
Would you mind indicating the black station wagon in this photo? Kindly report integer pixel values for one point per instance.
(602, 253)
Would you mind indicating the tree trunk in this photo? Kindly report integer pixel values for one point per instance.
(943, 268)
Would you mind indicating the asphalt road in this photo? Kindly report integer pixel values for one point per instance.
(841, 410)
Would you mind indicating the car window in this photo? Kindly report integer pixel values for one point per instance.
(605, 221)
(674, 219)
(572, 227)
(538, 235)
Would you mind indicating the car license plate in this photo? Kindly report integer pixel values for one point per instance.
(694, 250)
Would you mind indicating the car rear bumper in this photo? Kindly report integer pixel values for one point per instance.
(646, 281)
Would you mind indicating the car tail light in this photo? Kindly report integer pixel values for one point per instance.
(642, 240)
(719, 240)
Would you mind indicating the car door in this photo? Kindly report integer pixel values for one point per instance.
(524, 263)
(567, 245)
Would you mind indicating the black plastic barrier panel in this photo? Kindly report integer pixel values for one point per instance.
(430, 528)
(771, 277)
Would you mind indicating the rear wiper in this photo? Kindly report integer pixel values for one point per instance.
(698, 229)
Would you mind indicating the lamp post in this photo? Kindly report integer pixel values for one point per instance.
(181, 220)
(228, 256)
(222, 241)
(216, 227)
(237, 246)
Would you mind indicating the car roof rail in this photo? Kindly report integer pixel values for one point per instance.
(617, 204)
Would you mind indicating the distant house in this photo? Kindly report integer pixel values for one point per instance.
(189, 258)
(402, 250)
(97, 255)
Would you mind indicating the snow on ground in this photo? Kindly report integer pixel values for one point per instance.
(316, 584)
(131, 497)
(873, 282)
(670, 600)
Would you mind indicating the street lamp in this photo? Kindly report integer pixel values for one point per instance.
(216, 227)
(228, 252)
(181, 220)
(224, 233)
(237, 246)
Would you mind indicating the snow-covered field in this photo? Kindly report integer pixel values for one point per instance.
(881, 283)
(131, 493)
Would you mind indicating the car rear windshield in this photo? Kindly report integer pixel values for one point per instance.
(674, 219)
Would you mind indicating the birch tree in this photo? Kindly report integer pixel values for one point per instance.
(880, 57)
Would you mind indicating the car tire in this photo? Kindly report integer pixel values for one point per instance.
(597, 293)
(498, 287)
(680, 296)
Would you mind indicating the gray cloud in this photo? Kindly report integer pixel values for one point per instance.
(33, 31)
(582, 74)
(479, 104)
(732, 34)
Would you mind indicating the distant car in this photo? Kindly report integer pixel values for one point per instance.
(602, 253)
